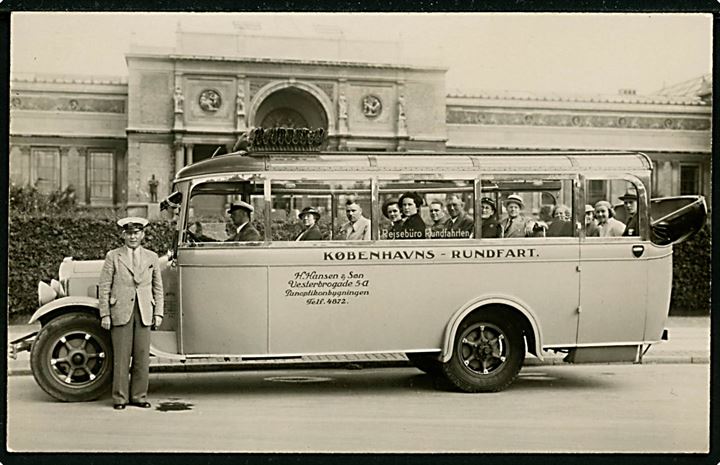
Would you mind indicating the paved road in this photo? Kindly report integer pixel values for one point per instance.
(604, 408)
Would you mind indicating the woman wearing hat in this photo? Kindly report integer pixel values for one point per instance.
(591, 229)
(309, 218)
(391, 211)
(413, 227)
(607, 225)
(515, 224)
(490, 227)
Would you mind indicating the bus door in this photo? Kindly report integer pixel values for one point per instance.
(613, 267)
(223, 282)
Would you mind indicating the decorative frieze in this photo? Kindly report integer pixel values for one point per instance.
(78, 104)
(534, 118)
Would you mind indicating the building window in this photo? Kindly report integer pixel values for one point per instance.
(689, 179)
(596, 190)
(101, 177)
(45, 172)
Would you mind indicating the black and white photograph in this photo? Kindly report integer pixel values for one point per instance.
(364, 233)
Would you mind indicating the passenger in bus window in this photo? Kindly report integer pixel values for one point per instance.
(413, 227)
(561, 226)
(630, 200)
(591, 229)
(391, 210)
(311, 231)
(490, 227)
(515, 224)
(357, 227)
(607, 225)
(437, 229)
(240, 212)
(460, 224)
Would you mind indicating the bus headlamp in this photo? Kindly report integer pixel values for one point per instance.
(45, 293)
(49, 292)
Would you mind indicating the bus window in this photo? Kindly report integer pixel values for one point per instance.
(301, 210)
(225, 212)
(426, 209)
(528, 208)
(615, 206)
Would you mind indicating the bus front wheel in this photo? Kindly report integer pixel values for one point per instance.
(72, 358)
(487, 355)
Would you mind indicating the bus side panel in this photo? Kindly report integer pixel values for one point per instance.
(224, 306)
(614, 291)
(404, 306)
(659, 288)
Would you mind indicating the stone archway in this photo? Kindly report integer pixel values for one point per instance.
(291, 104)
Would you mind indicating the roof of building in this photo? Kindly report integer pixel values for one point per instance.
(626, 98)
(698, 86)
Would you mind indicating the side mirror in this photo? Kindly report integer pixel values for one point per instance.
(173, 200)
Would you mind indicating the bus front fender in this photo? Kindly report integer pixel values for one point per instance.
(478, 305)
(60, 305)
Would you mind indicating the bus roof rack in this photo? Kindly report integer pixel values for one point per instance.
(282, 139)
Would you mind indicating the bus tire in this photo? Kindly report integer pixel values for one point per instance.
(72, 358)
(487, 354)
(426, 362)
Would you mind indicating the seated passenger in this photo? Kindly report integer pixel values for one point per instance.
(490, 227)
(591, 229)
(515, 224)
(357, 227)
(311, 231)
(437, 229)
(413, 227)
(240, 212)
(607, 225)
(561, 226)
(460, 224)
(630, 200)
(391, 210)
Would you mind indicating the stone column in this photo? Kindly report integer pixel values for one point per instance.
(342, 114)
(179, 155)
(188, 154)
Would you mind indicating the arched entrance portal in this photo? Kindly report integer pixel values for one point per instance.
(291, 107)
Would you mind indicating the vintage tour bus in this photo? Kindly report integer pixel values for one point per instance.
(464, 262)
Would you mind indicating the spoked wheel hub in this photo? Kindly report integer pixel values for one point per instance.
(77, 358)
(483, 349)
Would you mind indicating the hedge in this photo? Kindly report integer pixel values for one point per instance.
(37, 245)
(692, 275)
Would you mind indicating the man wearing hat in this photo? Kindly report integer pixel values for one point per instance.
(240, 213)
(130, 296)
(515, 224)
(309, 217)
(630, 200)
(490, 227)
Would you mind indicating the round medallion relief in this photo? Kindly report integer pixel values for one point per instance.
(209, 100)
(371, 106)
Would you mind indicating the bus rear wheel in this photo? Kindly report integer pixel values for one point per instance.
(487, 355)
(72, 358)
